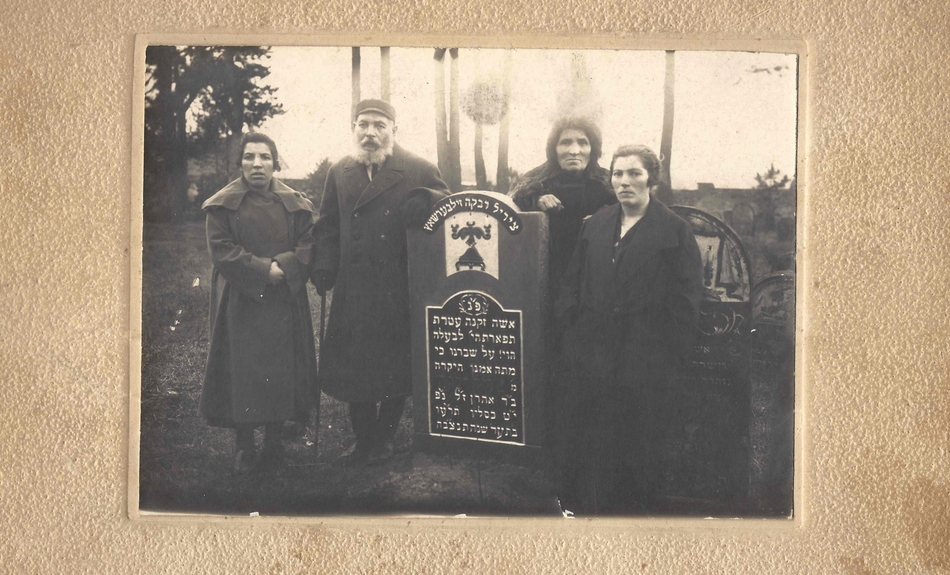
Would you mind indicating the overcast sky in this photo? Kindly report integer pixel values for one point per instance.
(735, 111)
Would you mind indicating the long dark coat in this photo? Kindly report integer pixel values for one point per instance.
(261, 363)
(361, 242)
(634, 308)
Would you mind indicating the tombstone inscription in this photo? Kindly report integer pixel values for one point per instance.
(476, 275)
(475, 369)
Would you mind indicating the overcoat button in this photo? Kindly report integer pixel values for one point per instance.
(386, 212)
(617, 309)
(356, 214)
(382, 237)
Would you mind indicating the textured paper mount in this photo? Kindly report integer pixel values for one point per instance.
(873, 372)
(798, 48)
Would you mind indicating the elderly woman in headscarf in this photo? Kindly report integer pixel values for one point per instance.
(261, 363)
(568, 187)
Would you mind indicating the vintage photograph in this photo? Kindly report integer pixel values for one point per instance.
(383, 280)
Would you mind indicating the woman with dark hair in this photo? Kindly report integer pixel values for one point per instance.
(629, 303)
(569, 187)
(261, 362)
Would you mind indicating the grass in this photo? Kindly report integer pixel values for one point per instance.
(185, 465)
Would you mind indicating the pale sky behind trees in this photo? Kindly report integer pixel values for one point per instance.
(735, 115)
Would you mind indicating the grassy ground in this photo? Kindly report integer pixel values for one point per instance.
(185, 464)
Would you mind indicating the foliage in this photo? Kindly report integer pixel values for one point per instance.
(316, 180)
(198, 100)
(484, 102)
(773, 179)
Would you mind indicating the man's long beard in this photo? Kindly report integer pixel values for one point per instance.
(375, 157)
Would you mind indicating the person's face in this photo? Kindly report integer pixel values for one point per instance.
(373, 131)
(573, 150)
(257, 165)
(629, 179)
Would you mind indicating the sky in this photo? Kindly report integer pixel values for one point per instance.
(735, 112)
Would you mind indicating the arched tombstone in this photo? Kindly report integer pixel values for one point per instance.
(708, 442)
(773, 393)
(476, 283)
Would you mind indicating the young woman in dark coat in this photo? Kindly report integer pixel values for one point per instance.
(629, 303)
(261, 362)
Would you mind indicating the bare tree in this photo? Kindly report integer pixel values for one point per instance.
(502, 177)
(664, 192)
(355, 80)
(484, 104)
(384, 88)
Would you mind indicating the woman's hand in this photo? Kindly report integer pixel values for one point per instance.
(276, 274)
(549, 203)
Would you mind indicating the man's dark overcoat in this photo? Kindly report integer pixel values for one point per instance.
(632, 307)
(361, 243)
(261, 362)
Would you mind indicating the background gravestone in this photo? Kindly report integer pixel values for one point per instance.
(708, 445)
(773, 393)
(476, 279)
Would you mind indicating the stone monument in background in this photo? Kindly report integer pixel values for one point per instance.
(707, 450)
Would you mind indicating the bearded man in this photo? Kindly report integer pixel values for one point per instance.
(370, 198)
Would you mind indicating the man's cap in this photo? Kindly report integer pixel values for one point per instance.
(379, 106)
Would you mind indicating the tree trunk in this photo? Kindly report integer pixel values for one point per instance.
(355, 81)
(664, 190)
(441, 137)
(235, 119)
(580, 81)
(175, 141)
(455, 157)
(384, 73)
(502, 182)
(159, 201)
(481, 177)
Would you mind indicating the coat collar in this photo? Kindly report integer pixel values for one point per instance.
(231, 196)
(390, 173)
(530, 184)
(657, 230)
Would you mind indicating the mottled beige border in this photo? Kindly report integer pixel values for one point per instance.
(873, 233)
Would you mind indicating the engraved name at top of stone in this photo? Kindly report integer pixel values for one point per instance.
(473, 202)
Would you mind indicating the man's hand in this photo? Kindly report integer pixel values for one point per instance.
(276, 275)
(549, 203)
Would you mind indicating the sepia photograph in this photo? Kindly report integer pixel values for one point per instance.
(384, 280)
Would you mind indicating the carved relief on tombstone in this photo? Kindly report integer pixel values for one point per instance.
(476, 273)
(708, 444)
(773, 392)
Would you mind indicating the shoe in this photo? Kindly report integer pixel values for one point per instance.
(356, 456)
(272, 457)
(382, 452)
(243, 462)
(293, 430)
